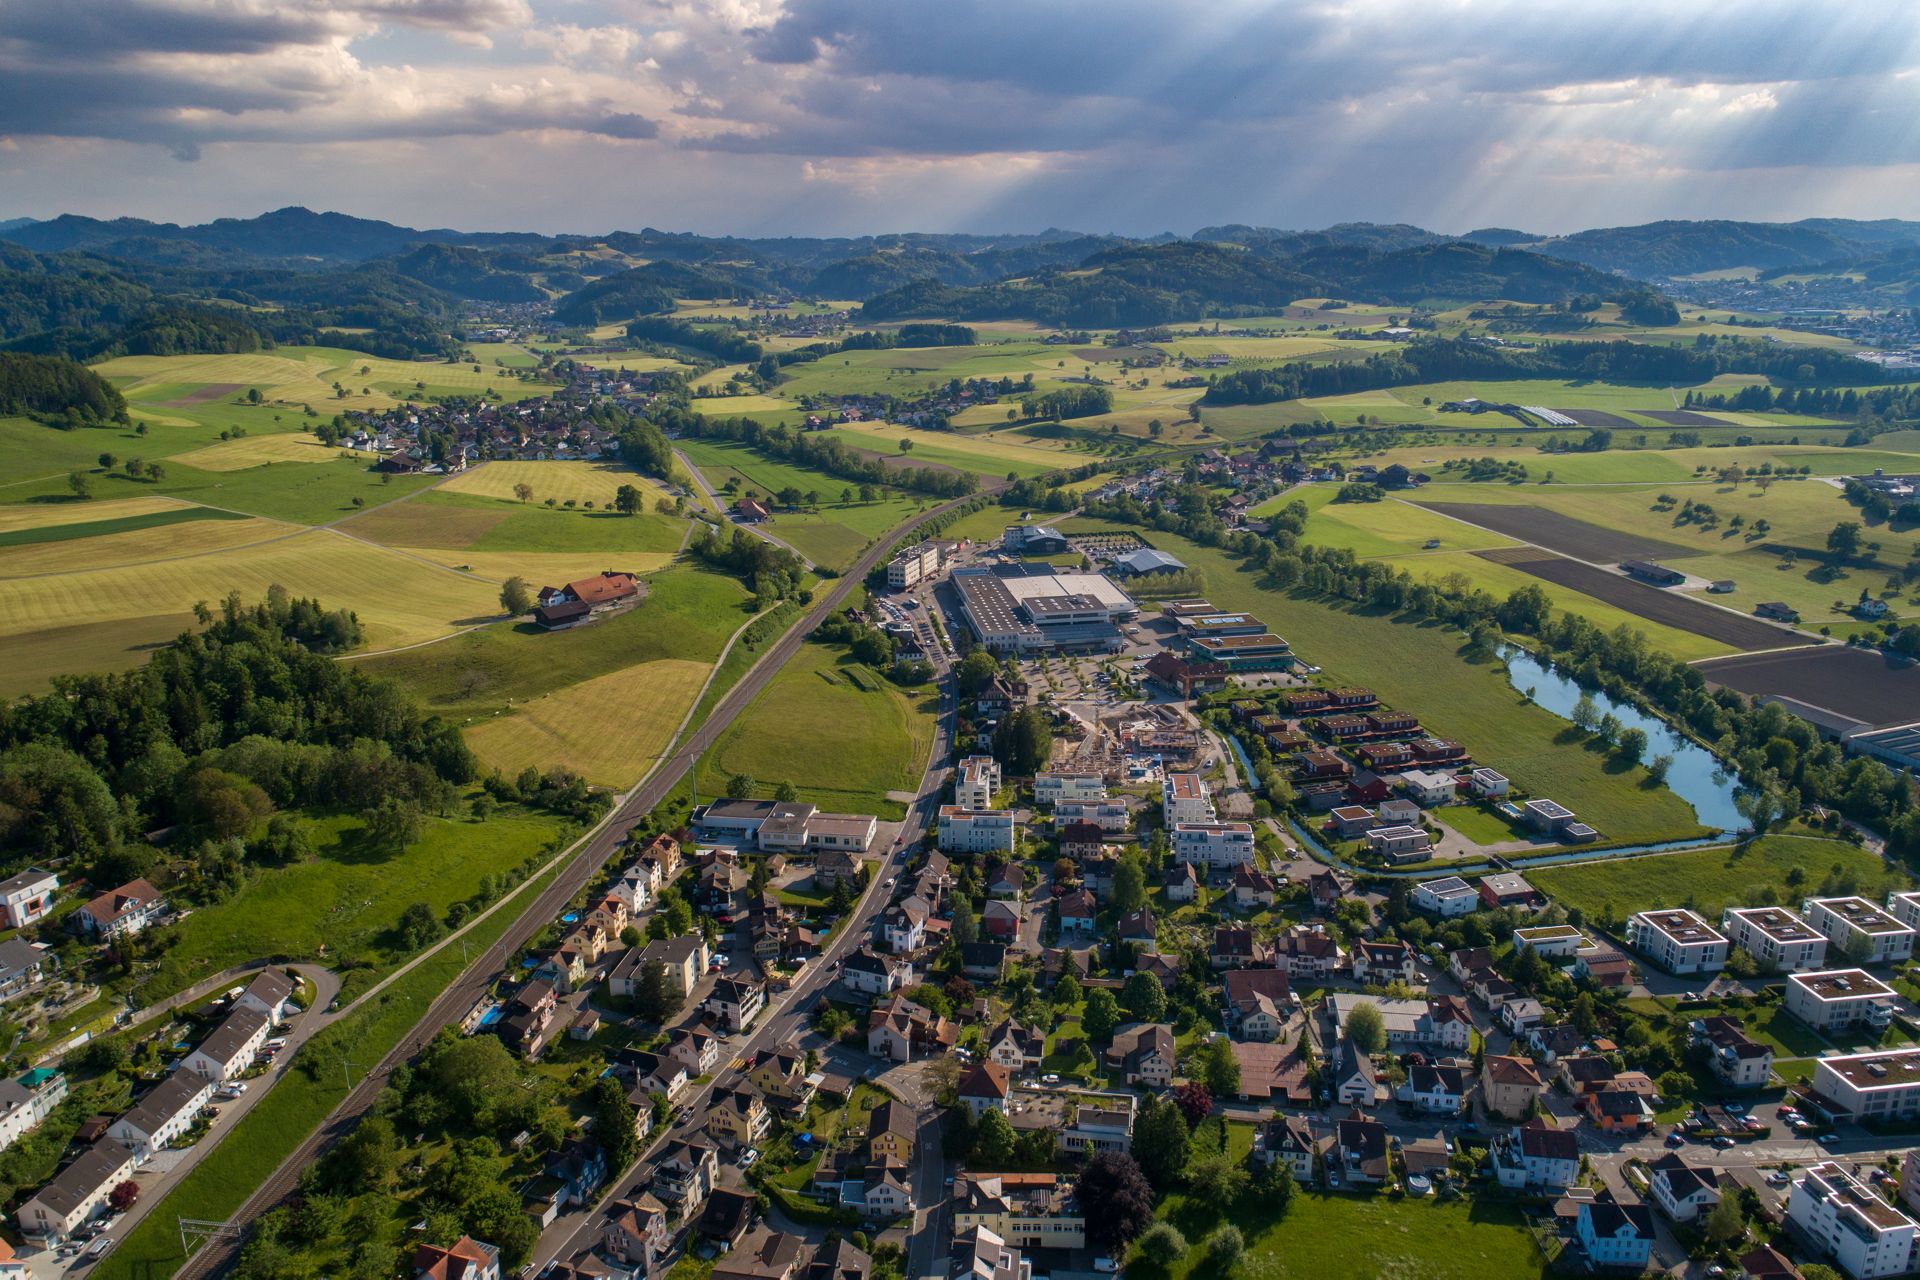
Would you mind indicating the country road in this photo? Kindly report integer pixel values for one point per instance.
(590, 854)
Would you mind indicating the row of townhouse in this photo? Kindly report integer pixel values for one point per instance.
(159, 1118)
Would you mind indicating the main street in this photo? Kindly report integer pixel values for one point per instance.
(785, 1021)
(590, 854)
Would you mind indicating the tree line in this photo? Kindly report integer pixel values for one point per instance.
(54, 385)
(816, 453)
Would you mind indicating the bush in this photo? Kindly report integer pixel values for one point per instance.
(1225, 1247)
(1163, 1244)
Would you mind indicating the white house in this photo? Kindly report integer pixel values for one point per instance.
(1395, 842)
(1677, 940)
(1536, 1155)
(231, 1047)
(1446, 897)
(76, 1194)
(268, 995)
(1435, 1088)
(1488, 783)
(1862, 931)
(975, 830)
(876, 975)
(166, 1113)
(1428, 787)
(1614, 1234)
(1683, 1192)
(1862, 1233)
(26, 1100)
(1213, 844)
(1184, 798)
(1551, 941)
(27, 897)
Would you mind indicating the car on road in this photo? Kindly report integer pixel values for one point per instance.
(1050, 1078)
(1676, 1139)
(749, 1158)
(1722, 1142)
(1778, 1178)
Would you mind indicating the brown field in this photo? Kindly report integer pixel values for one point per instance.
(1564, 534)
(1669, 608)
(1683, 418)
(1599, 418)
(1853, 682)
(212, 391)
(420, 524)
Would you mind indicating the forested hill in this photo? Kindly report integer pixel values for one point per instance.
(1187, 280)
(50, 386)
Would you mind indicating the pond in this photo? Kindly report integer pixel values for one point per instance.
(1696, 776)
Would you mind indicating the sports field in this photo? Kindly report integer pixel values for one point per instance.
(842, 734)
(1420, 667)
(609, 729)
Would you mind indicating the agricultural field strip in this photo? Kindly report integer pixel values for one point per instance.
(1849, 682)
(285, 530)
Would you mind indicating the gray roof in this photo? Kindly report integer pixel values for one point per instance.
(181, 1091)
(94, 1168)
(225, 1041)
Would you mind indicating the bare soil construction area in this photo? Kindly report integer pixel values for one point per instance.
(1655, 604)
(1560, 533)
(1855, 683)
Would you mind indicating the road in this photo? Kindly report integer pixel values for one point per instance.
(786, 1021)
(720, 506)
(590, 855)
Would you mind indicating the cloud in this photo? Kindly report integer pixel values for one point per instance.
(1107, 114)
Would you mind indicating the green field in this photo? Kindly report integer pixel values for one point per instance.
(304, 493)
(1709, 880)
(840, 732)
(340, 908)
(101, 528)
(1420, 668)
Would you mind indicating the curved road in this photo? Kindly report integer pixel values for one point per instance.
(589, 856)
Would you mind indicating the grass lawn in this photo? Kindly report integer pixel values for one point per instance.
(340, 908)
(1769, 1024)
(295, 1107)
(840, 732)
(1709, 880)
(1361, 1237)
(1478, 825)
(303, 493)
(1419, 667)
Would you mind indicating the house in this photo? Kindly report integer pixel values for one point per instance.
(1288, 1138)
(579, 1167)
(835, 867)
(1508, 889)
(782, 1076)
(695, 1048)
(1536, 1155)
(128, 909)
(26, 1100)
(1434, 1087)
(1445, 1023)
(22, 965)
(685, 1174)
(26, 897)
(876, 975)
(898, 1029)
(1235, 947)
(1255, 1001)
(1738, 1060)
(892, 1130)
(1384, 962)
(1677, 940)
(1102, 1122)
(1522, 1015)
(1400, 844)
(1352, 820)
(1081, 840)
(1767, 1263)
(1614, 1235)
(1776, 611)
(736, 1002)
(1306, 953)
(1683, 1192)
(1001, 920)
(1016, 1047)
(727, 1218)
(1325, 889)
(636, 1230)
(1584, 1073)
(1028, 1210)
(657, 1073)
(1604, 969)
(1860, 930)
(1488, 783)
(684, 959)
(230, 1048)
(983, 961)
(268, 995)
(1552, 1043)
(1143, 1053)
(1617, 1108)
(1358, 1153)
(1252, 888)
(465, 1259)
(1463, 965)
(739, 1115)
(1848, 1222)
(986, 1087)
(1428, 788)
(1355, 1083)
(75, 1195)
(769, 1255)
(1138, 926)
(839, 1261)
(1446, 897)
(1550, 941)
(1838, 999)
(529, 1014)
(1396, 812)
(1181, 882)
(165, 1114)
(1509, 1086)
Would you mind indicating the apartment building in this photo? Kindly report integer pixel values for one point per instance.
(1213, 844)
(1184, 798)
(979, 779)
(1050, 789)
(1862, 1233)
(975, 830)
(1882, 1085)
(1110, 816)
(1677, 940)
(1839, 999)
(1863, 931)
(913, 565)
(26, 1100)
(1780, 940)
(1027, 1210)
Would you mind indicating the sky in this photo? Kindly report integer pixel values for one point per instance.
(843, 117)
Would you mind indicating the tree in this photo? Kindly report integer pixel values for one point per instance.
(516, 597)
(993, 1140)
(1631, 745)
(1144, 999)
(626, 500)
(975, 672)
(1217, 1180)
(1843, 541)
(1276, 1185)
(786, 793)
(1366, 1028)
(1224, 1248)
(656, 998)
(1116, 1199)
(1658, 766)
(107, 461)
(966, 927)
(1725, 1223)
(1195, 1101)
(1221, 1070)
(1161, 1144)
(1066, 991)
(1586, 715)
(1129, 885)
(418, 926)
(740, 786)
(392, 824)
(1101, 1016)
(1163, 1244)
(523, 491)
(121, 1198)
(81, 483)
(364, 1159)
(613, 1124)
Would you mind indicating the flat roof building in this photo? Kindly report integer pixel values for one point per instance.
(1780, 940)
(1836, 999)
(1864, 1234)
(1865, 932)
(1879, 1086)
(1677, 940)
